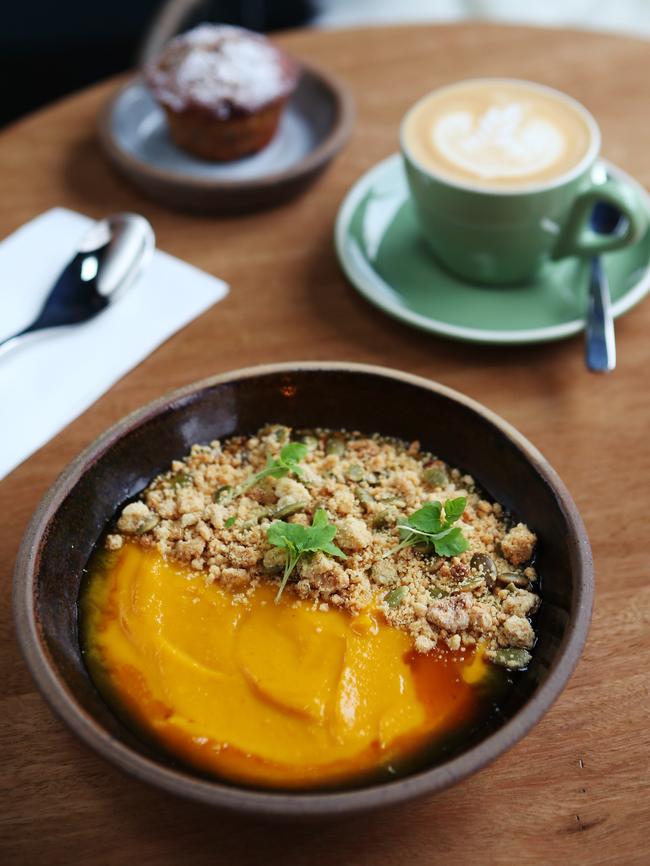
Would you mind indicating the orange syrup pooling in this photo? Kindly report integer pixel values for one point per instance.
(272, 696)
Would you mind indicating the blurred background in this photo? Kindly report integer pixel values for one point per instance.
(50, 48)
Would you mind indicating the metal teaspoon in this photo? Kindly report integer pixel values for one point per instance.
(600, 344)
(109, 258)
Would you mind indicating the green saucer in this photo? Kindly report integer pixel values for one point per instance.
(381, 251)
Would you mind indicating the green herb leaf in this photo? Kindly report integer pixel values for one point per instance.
(230, 522)
(454, 509)
(428, 518)
(291, 455)
(427, 526)
(452, 544)
(277, 467)
(300, 540)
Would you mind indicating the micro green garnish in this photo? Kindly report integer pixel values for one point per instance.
(300, 540)
(230, 522)
(433, 525)
(277, 467)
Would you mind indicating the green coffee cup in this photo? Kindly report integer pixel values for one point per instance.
(504, 236)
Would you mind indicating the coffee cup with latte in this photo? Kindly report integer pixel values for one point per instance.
(502, 175)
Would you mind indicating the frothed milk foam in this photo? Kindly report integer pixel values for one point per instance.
(497, 134)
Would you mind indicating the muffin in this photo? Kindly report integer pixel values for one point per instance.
(223, 90)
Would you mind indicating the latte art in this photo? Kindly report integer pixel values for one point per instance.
(503, 142)
(497, 133)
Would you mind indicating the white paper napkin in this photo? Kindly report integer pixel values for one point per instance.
(46, 383)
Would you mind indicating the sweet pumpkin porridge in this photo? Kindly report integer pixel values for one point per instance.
(300, 609)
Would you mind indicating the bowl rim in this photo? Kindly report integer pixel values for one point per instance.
(173, 179)
(282, 803)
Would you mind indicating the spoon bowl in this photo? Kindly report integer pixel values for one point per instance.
(109, 258)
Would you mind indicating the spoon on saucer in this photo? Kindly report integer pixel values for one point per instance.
(600, 344)
(108, 259)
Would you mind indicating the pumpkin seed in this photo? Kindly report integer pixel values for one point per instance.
(471, 583)
(221, 493)
(146, 524)
(384, 572)
(274, 560)
(286, 510)
(395, 597)
(438, 592)
(394, 501)
(365, 497)
(335, 445)
(180, 479)
(354, 472)
(484, 565)
(512, 658)
(434, 476)
(514, 577)
(384, 519)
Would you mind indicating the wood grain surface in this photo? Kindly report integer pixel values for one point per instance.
(576, 789)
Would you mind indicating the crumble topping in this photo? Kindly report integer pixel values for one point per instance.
(367, 486)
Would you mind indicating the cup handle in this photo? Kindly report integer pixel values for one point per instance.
(577, 238)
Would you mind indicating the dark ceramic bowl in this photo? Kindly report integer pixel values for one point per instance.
(120, 463)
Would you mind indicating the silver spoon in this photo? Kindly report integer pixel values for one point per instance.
(600, 343)
(109, 258)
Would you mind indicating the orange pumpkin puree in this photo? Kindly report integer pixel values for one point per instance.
(276, 695)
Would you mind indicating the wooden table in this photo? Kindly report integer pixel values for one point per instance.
(576, 790)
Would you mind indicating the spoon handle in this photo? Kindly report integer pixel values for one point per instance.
(15, 340)
(8, 343)
(600, 345)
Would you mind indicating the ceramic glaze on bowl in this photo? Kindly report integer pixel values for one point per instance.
(72, 516)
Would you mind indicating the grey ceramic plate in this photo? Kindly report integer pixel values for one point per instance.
(314, 126)
(379, 246)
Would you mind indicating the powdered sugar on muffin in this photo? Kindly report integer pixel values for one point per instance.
(224, 69)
